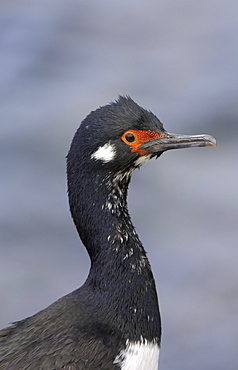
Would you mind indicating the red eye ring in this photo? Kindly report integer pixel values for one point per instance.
(131, 138)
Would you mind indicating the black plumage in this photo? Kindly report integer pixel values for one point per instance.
(92, 326)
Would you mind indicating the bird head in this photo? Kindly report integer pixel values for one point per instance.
(122, 136)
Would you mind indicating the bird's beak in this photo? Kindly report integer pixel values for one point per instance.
(174, 141)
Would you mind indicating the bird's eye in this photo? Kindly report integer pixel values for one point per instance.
(130, 138)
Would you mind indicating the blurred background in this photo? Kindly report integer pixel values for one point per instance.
(62, 59)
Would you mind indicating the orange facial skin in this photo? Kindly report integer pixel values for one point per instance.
(134, 138)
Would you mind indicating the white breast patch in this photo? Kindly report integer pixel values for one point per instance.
(142, 355)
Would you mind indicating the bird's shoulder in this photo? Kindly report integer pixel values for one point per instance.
(65, 336)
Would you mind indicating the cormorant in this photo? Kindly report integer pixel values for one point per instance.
(113, 320)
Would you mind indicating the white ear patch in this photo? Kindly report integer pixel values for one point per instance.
(105, 153)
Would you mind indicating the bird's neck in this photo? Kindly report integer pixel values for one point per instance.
(98, 204)
(120, 269)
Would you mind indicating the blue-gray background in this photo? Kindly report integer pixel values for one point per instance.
(62, 59)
